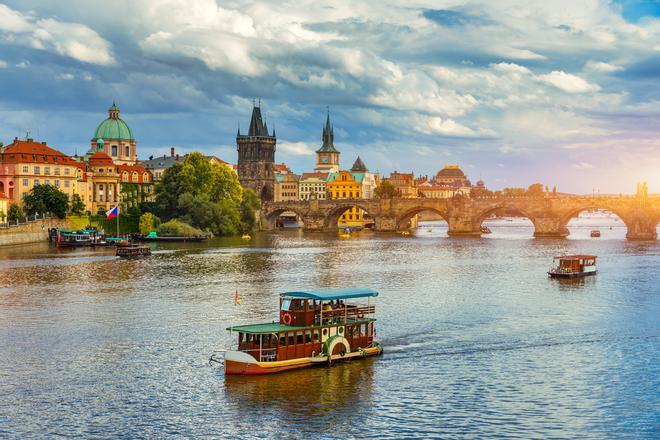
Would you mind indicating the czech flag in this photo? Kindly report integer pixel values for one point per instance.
(112, 213)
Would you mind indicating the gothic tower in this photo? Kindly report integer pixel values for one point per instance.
(256, 157)
(327, 157)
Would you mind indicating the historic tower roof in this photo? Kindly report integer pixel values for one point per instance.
(114, 127)
(328, 138)
(257, 125)
(359, 166)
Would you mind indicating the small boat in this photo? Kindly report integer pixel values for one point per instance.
(344, 235)
(595, 233)
(133, 251)
(405, 233)
(153, 237)
(314, 328)
(573, 266)
(486, 230)
(429, 230)
(246, 237)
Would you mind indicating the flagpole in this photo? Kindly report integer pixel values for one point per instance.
(117, 220)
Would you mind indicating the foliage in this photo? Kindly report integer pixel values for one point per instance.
(178, 228)
(148, 223)
(249, 206)
(3, 216)
(46, 198)
(386, 190)
(535, 190)
(481, 192)
(77, 205)
(206, 195)
(15, 213)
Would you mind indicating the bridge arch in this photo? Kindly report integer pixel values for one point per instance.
(481, 216)
(403, 219)
(273, 214)
(575, 212)
(332, 216)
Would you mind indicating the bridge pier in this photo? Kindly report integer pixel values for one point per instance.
(549, 227)
(386, 224)
(640, 229)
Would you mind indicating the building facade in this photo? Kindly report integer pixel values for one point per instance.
(116, 138)
(404, 184)
(256, 157)
(286, 187)
(312, 186)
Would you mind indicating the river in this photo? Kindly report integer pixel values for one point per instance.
(478, 341)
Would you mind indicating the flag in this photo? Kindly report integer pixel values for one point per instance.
(236, 300)
(112, 213)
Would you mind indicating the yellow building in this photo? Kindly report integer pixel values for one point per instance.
(347, 185)
(286, 187)
(26, 163)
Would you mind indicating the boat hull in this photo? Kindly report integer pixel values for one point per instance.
(571, 275)
(169, 239)
(237, 362)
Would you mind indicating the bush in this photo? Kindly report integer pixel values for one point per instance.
(15, 213)
(148, 223)
(179, 229)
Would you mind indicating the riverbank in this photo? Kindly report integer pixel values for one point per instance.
(30, 232)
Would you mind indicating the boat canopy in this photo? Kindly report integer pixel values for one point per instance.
(271, 327)
(332, 294)
(575, 257)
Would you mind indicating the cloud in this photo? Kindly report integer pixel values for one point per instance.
(66, 76)
(295, 148)
(583, 166)
(72, 40)
(599, 66)
(3, 64)
(568, 82)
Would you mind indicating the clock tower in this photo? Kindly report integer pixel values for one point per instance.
(327, 157)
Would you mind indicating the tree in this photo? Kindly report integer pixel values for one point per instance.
(46, 198)
(15, 213)
(3, 216)
(249, 206)
(535, 190)
(386, 190)
(148, 223)
(179, 229)
(77, 205)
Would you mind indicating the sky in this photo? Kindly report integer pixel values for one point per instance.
(564, 93)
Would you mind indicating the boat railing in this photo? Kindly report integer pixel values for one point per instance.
(262, 354)
(341, 313)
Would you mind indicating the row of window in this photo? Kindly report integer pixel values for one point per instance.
(37, 170)
(56, 183)
(343, 195)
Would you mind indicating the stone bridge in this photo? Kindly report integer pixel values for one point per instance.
(464, 215)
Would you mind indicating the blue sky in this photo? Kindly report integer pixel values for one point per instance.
(560, 92)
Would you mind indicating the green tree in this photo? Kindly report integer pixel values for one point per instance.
(77, 205)
(249, 206)
(178, 228)
(3, 216)
(386, 190)
(205, 194)
(15, 213)
(535, 190)
(46, 198)
(148, 223)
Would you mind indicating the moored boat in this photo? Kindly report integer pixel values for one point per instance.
(153, 237)
(573, 266)
(133, 251)
(595, 233)
(486, 230)
(314, 328)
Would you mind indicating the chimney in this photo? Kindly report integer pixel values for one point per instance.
(44, 142)
(172, 153)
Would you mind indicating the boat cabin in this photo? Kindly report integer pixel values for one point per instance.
(307, 320)
(573, 264)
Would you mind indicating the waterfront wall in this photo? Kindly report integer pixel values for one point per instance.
(30, 232)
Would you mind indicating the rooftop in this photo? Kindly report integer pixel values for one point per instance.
(332, 294)
(271, 327)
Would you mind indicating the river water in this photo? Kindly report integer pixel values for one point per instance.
(478, 341)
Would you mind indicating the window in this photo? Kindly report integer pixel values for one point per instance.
(315, 335)
(67, 184)
(299, 338)
(57, 184)
(26, 182)
(37, 170)
(47, 171)
(291, 338)
(67, 171)
(25, 169)
(47, 182)
(36, 182)
(128, 151)
(57, 171)
(282, 339)
(308, 336)
(114, 150)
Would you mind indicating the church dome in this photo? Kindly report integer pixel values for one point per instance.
(114, 127)
(451, 171)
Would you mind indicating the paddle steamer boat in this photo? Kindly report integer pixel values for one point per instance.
(314, 328)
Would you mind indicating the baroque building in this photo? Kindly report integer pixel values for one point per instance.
(256, 157)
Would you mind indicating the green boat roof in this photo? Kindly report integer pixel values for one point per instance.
(332, 294)
(270, 327)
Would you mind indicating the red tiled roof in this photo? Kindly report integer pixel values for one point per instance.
(140, 170)
(100, 158)
(281, 167)
(315, 175)
(35, 152)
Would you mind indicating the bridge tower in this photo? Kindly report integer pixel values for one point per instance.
(327, 157)
(256, 157)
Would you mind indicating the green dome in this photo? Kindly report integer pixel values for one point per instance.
(114, 127)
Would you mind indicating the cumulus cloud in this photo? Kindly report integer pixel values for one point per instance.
(3, 64)
(72, 40)
(568, 82)
(295, 148)
(600, 66)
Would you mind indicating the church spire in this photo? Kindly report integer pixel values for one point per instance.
(328, 137)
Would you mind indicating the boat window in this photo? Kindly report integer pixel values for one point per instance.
(296, 304)
(240, 338)
(282, 339)
(316, 335)
(363, 330)
(349, 331)
(308, 336)
(291, 338)
(286, 304)
(299, 338)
